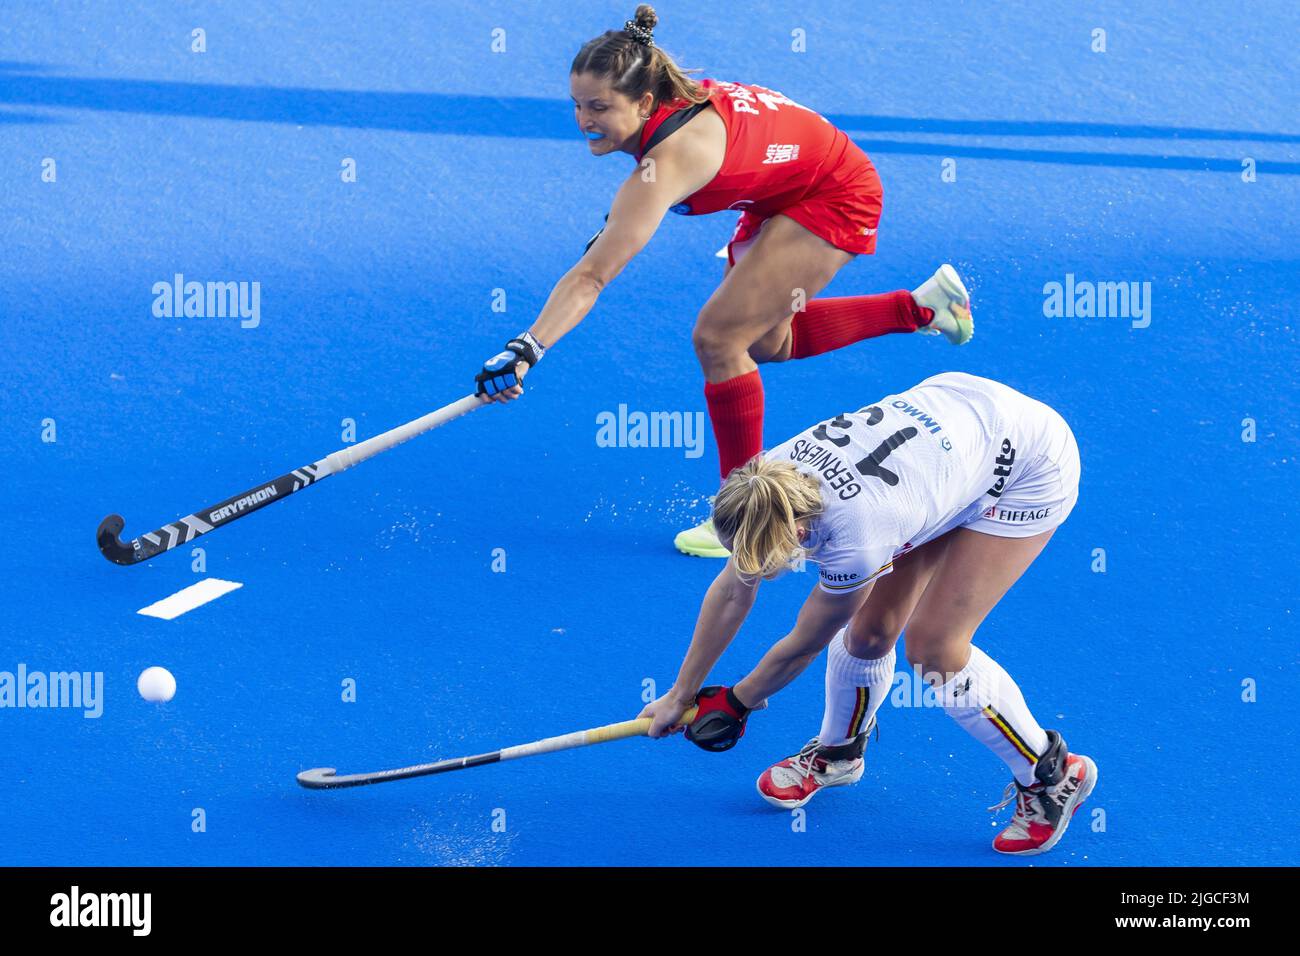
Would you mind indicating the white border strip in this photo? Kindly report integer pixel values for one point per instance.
(187, 599)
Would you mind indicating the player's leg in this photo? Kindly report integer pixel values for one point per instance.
(859, 673)
(941, 305)
(976, 571)
(750, 319)
(860, 663)
(849, 216)
(754, 298)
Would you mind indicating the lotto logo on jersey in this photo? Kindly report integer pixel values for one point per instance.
(781, 153)
(1003, 465)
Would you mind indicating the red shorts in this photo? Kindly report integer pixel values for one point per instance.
(843, 209)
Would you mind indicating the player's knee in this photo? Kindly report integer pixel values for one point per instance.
(713, 344)
(938, 651)
(870, 641)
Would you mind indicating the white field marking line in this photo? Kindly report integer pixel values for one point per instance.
(187, 599)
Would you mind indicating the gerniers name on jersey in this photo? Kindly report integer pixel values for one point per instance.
(837, 475)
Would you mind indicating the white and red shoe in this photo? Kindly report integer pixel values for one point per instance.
(1043, 811)
(795, 780)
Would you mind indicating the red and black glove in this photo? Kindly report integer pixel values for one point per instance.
(720, 721)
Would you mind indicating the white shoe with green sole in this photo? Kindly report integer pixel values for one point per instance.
(945, 294)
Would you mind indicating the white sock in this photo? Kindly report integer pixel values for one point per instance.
(988, 705)
(855, 689)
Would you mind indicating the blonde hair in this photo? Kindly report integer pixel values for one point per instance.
(757, 508)
(634, 68)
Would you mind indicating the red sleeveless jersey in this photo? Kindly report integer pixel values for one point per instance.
(777, 150)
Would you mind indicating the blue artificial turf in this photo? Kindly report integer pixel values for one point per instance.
(377, 305)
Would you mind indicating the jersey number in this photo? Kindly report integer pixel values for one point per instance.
(871, 466)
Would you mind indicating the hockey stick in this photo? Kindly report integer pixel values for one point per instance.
(323, 778)
(191, 526)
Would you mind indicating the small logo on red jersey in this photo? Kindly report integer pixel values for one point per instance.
(781, 153)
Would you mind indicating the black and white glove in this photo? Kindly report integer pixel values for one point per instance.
(498, 372)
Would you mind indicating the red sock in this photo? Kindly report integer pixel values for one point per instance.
(736, 410)
(829, 324)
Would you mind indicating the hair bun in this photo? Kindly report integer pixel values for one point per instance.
(645, 17)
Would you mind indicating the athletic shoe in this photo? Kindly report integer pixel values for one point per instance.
(945, 295)
(1043, 811)
(701, 541)
(795, 780)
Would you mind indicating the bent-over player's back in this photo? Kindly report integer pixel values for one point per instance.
(902, 471)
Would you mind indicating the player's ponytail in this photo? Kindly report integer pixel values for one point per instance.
(757, 508)
(632, 64)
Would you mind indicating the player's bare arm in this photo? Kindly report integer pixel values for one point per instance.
(726, 605)
(820, 618)
(668, 174)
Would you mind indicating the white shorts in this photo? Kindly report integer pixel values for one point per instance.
(1044, 485)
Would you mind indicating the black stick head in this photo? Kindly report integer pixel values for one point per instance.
(111, 546)
(319, 779)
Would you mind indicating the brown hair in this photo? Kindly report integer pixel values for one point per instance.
(757, 508)
(633, 67)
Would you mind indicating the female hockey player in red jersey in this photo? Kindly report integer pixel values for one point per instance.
(810, 202)
(921, 511)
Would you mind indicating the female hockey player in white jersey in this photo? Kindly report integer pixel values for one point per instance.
(921, 511)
